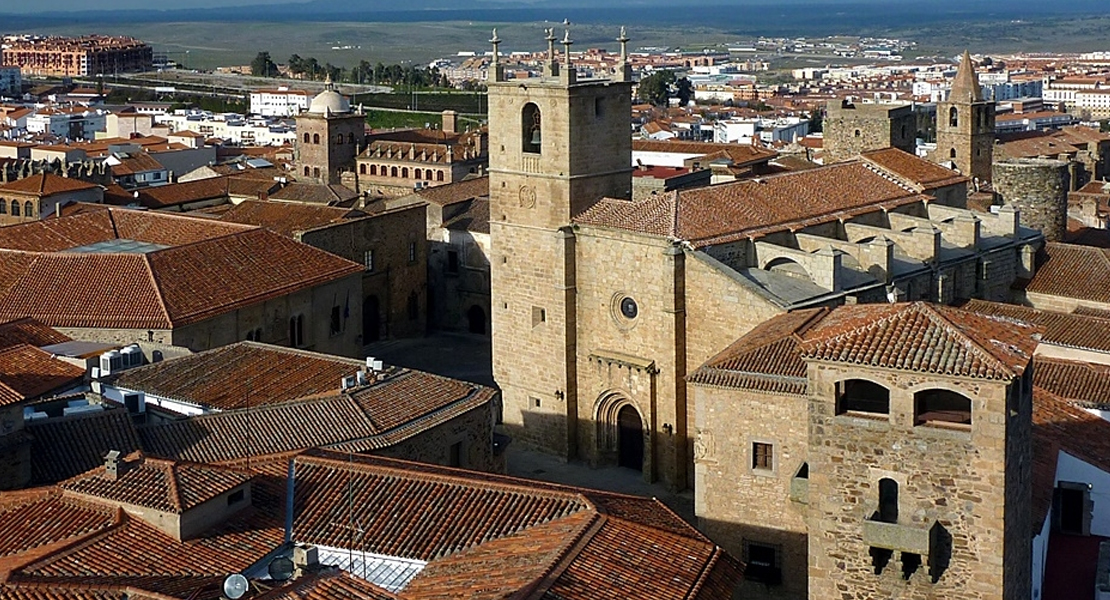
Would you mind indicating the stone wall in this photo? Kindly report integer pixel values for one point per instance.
(460, 292)
(472, 429)
(329, 155)
(398, 277)
(851, 129)
(1038, 188)
(954, 485)
(736, 502)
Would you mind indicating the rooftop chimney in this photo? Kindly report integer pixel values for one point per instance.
(114, 467)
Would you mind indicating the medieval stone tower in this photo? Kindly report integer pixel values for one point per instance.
(919, 470)
(557, 145)
(965, 125)
(328, 138)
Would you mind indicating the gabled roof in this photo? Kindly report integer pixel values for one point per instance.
(241, 375)
(1075, 330)
(164, 485)
(139, 162)
(65, 447)
(328, 195)
(287, 218)
(29, 331)
(207, 269)
(368, 418)
(1073, 271)
(27, 373)
(922, 337)
(765, 359)
(46, 184)
(453, 193)
(915, 172)
(1086, 383)
(733, 211)
(212, 188)
(739, 154)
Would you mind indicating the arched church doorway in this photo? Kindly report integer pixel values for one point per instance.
(630, 438)
(476, 318)
(371, 320)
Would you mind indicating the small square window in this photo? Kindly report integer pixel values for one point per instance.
(763, 456)
(536, 402)
(539, 315)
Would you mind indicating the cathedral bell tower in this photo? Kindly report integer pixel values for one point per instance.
(558, 144)
(965, 125)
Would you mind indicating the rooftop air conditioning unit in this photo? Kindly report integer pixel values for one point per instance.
(361, 378)
(348, 382)
(110, 362)
(132, 356)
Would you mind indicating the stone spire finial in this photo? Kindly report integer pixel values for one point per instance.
(966, 87)
(623, 39)
(495, 62)
(566, 46)
(550, 37)
(328, 85)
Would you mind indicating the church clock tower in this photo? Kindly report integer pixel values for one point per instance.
(557, 144)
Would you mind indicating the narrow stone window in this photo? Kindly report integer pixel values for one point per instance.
(335, 321)
(953, 117)
(306, 138)
(888, 500)
(539, 315)
(316, 138)
(763, 456)
(368, 260)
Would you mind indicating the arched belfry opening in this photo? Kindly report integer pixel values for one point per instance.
(531, 129)
(953, 117)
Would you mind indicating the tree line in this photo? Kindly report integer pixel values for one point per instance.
(364, 72)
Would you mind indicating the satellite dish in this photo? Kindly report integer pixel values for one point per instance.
(235, 586)
(280, 569)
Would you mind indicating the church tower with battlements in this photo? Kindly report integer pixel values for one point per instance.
(558, 143)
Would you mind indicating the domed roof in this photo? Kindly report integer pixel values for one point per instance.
(329, 101)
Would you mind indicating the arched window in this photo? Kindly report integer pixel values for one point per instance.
(404, 172)
(362, 169)
(15, 208)
(941, 406)
(952, 153)
(439, 175)
(953, 117)
(306, 137)
(339, 139)
(862, 396)
(306, 171)
(28, 209)
(350, 138)
(888, 500)
(316, 138)
(532, 129)
(373, 169)
(3, 207)
(315, 171)
(419, 174)
(392, 171)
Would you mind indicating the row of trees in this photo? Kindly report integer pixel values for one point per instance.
(364, 72)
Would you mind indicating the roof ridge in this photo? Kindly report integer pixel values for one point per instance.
(566, 555)
(172, 489)
(705, 571)
(935, 315)
(122, 519)
(157, 285)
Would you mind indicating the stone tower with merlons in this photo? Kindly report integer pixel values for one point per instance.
(965, 125)
(558, 144)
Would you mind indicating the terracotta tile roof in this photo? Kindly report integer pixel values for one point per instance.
(739, 154)
(1088, 311)
(766, 359)
(1087, 236)
(1082, 382)
(913, 170)
(328, 195)
(1073, 271)
(65, 447)
(29, 331)
(474, 219)
(46, 184)
(137, 163)
(329, 585)
(43, 517)
(287, 218)
(453, 193)
(1032, 147)
(733, 211)
(27, 373)
(210, 268)
(164, 485)
(1062, 329)
(1059, 424)
(241, 375)
(370, 418)
(924, 338)
(213, 188)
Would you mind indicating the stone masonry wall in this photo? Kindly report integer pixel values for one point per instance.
(1039, 189)
(473, 429)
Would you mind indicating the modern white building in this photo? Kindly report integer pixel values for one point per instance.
(280, 102)
(232, 127)
(743, 131)
(73, 122)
